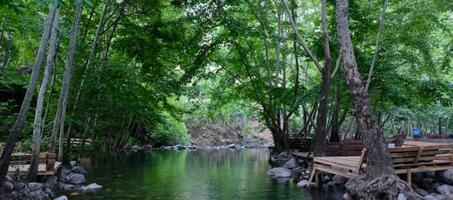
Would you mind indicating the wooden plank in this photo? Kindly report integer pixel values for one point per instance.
(338, 161)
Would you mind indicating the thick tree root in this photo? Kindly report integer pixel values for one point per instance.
(382, 188)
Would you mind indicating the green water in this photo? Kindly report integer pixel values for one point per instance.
(200, 174)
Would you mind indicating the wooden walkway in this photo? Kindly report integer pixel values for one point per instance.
(413, 157)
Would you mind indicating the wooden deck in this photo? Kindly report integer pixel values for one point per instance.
(413, 157)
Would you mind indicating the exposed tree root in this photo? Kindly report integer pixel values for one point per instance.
(382, 188)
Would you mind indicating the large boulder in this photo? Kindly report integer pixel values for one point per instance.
(290, 164)
(8, 185)
(79, 170)
(279, 172)
(75, 179)
(446, 176)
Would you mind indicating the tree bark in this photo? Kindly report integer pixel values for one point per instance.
(17, 128)
(378, 182)
(37, 133)
(321, 130)
(61, 111)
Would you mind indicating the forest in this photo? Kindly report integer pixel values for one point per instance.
(79, 77)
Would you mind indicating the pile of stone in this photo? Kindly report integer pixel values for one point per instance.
(287, 167)
(15, 189)
(73, 180)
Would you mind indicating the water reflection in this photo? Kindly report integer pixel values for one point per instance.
(202, 174)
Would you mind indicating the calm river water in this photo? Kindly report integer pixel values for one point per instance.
(197, 175)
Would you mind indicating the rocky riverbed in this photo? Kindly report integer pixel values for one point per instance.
(66, 181)
(426, 185)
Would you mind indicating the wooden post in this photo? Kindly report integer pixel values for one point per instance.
(311, 177)
(409, 178)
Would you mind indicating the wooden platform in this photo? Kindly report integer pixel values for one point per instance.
(413, 157)
(20, 162)
(23, 169)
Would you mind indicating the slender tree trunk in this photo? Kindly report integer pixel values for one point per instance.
(37, 133)
(94, 46)
(321, 130)
(17, 128)
(61, 111)
(378, 39)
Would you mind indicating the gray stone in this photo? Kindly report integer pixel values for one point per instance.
(79, 170)
(232, 146)
(51, 181)
(421, 192)
(446, 176)
(8, 185)
(75, 179)
(65, 187)
(429, 197)
(445, 189)
(38, 194)
(34, 186)
(326, 179)
(429, 174)
(73, 163)
(279, 172)
(61, 198)
(48, 191)
(401, 196)
(339, 179)
(290, 164)
(302, 183)
(437, 196)
(8, 178)
(347, 196)
(449, 197)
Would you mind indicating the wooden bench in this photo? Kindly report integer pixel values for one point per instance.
(343, 148)
(411, 158)
(20, 162)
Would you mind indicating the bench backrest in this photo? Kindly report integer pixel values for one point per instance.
(345, 148)
(46, 158)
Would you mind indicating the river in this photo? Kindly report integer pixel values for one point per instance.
(197, 175)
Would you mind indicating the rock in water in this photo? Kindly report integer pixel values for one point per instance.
(290, 164)
(72, 163)
(302, 183)
(279, 172)
(61, 198)
(79, 170)
(421, 192)
(76, 179)
(446, 176)
(93, 186)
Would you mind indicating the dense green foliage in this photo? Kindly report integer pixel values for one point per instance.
(161, 66)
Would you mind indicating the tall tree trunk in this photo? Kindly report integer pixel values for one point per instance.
(61, 111)
(379, 166)
(334, 134)
(321, 130)
(37, 133)
(17, 128)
